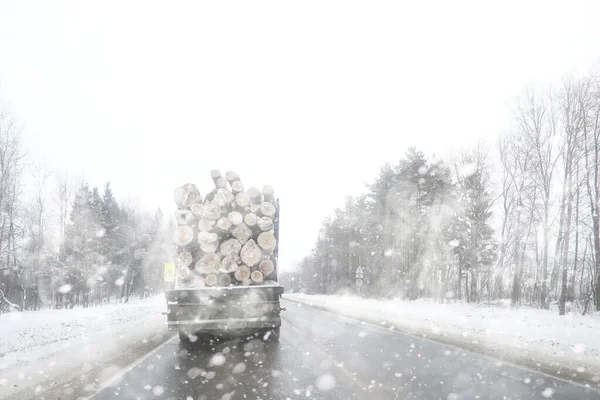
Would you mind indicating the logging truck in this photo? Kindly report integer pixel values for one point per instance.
(226, 281)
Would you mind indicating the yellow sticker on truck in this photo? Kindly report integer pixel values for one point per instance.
(169, 272)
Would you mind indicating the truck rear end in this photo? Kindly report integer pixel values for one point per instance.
(225, 311)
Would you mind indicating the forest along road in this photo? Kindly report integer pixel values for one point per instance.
(324, 356)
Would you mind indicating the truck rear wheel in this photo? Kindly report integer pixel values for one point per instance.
(184, 337)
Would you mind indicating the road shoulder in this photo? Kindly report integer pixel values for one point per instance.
(535, 358)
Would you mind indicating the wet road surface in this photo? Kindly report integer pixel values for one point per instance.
(324, 356)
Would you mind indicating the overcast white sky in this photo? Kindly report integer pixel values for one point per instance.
(310, 97)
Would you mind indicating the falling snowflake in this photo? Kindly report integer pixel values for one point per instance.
(578, 348)
(468, 169)
(548, 392)
(239, 368)
(325, 382)
(194, 372)
(66, 288)
(120, 281)
(158, 390)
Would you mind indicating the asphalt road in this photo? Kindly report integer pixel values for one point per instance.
(324, 356)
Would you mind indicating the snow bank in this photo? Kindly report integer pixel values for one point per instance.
(27, 330)
(68, 353)
(565, 346)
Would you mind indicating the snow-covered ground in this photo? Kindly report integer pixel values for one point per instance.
(40, 350)
(566, 346)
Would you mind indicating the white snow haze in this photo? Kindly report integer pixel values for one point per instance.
(310, 97)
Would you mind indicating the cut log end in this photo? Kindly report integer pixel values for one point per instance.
(237, 186)
(187, 195)
(250, 219)
(183, 235)
(211, 280)
(265, 224)
(209, 263)
(224, 224)
(267, 209)
(231, 247)
(242, 200)
(228, 264)
(221, 183)
(242, 233)
(266, 267)
(257, 276)
(215, 174)
(235, 217)
(231, 176)
(242, 273)
(205, 225)
(266, 241)
(224, 280)
(250, 253)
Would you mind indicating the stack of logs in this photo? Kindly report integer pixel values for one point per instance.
(226, 238)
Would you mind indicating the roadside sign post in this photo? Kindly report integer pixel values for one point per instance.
(359, 274)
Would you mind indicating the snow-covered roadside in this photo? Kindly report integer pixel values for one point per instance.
(564, 346)
(67, 353)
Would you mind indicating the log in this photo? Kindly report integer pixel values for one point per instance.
(268, 193)
(242, 200)
(250, 219)
(266, 241)
(257, 276)
(208, 241)
(265, 224)
(224, 224)
(254, 208)
(215, 174)
(208, 237)
(250, 253)
(224, 197)
(208, 211)
(187, 195)
(228, 264)
(183, 235)
(254, 194)
(266, 267)
(224, 280)
(205, 224)
(231, 247)
(221, 183)
(197, 208)
(235, 217)
(231, 176)
(242, 273)
(242, 233)
(209, 263)
(237, 186)
(210, 280)
(184, 259)
(184, 217)
(267, 209)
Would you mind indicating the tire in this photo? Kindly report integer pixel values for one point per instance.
(184, 337)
